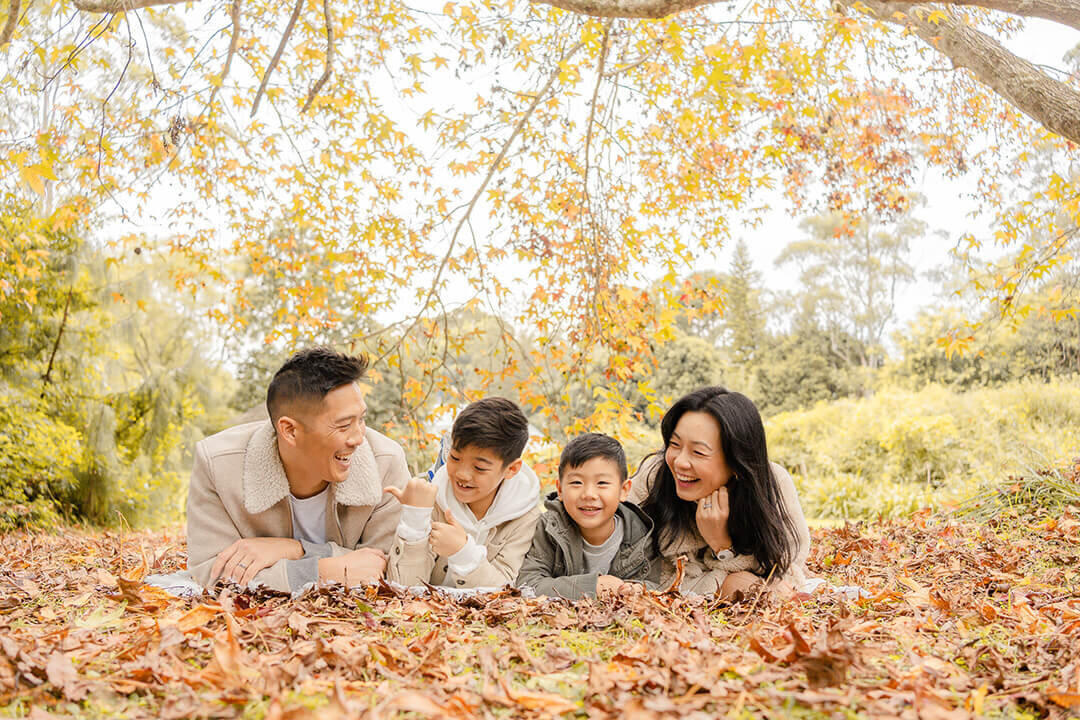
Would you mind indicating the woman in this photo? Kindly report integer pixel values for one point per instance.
(714, 497)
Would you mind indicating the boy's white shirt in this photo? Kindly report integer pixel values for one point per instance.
(516, 496)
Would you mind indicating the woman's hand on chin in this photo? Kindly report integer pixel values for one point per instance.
(712, 519)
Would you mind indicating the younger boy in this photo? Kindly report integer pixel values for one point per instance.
(590, 541)
(472, 524)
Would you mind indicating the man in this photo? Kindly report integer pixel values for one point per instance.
(299, 498)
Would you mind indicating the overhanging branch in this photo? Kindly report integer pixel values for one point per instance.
(1050, 102)
(641, 9)
(12, 21)
(1066, 12)
(119, 6)
(277, 55)
(329, 69)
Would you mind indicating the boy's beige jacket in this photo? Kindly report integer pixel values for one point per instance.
(239, 490)
(703, 573)
(414, 563)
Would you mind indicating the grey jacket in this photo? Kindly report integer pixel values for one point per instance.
(555, 564)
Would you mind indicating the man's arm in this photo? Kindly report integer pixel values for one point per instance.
(211, 530)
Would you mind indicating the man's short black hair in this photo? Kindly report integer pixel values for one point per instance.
(585, 447)
(308, 376)
(492, 423)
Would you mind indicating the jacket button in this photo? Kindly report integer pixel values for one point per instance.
(460, 582)
(397, 550)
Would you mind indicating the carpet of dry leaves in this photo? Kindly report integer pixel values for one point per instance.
(962, 620)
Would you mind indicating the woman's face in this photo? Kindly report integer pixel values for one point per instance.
(695, 456)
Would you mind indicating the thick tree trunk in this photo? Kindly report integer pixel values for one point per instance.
(1049, 102)
(1066, 12)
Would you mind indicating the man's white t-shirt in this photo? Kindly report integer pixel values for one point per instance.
(309, 517)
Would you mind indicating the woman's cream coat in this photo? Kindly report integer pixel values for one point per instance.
(703, 573)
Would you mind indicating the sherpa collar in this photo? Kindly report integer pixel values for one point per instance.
(265, 483)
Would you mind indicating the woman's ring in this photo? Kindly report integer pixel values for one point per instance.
(243, 564)
(708, 505)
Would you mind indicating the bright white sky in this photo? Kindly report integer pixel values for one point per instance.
(946, 210)
(1043, 43)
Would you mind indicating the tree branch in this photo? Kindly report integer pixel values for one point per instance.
(318, 86)
(119, 6)
(277, 55)
(12, 20)
(1050, 102)
(1047, 101)
(492, 169)
(1065, 12)
(47, 377)
(653, 9)
(234, 44)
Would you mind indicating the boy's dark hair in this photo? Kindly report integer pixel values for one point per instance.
(585, 447)
(492, 423)
(308, 376)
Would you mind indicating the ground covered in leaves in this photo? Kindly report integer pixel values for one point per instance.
(962, 619)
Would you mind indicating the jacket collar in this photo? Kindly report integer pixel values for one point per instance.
(265, 482)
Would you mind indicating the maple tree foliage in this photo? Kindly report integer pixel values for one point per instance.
(959, 620)
(509, 158)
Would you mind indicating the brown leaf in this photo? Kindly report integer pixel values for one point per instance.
(62, 675)
(197, 616)
(1066, 699)
(548, 702)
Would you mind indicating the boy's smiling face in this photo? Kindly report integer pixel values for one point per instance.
(591, 494)
(475, 475)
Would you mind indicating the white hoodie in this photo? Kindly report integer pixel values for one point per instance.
(516, 496)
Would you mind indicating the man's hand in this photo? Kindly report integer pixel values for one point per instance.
(359, 566)
(712, 517)
(418, 492)
(448, 537)
(245, 558)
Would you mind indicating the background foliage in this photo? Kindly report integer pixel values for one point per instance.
(498, 198)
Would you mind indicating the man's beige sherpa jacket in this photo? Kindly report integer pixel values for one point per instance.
(239, 490)
(703, 572)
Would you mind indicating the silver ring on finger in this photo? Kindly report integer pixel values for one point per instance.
(243, 564)
(708, 505)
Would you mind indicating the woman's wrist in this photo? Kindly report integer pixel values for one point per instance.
(720, 544)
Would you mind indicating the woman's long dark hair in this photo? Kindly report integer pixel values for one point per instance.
(758, 521)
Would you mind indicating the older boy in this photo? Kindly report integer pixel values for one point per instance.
(590, 541)
(472, 525)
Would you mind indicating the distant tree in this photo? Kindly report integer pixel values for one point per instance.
(797, 369)
(850, 271)
(744, 317)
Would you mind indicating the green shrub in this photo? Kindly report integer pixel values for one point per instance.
(897, 450)
(37, 457)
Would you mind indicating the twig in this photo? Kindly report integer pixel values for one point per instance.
(277, 55)
(234, 13)
(318, 86)
(12, 20)
(483, 185)
(592, 103)
(105, 103)
(47, 377)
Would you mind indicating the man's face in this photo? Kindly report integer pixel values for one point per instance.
(327, 435)
(591, 493)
